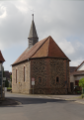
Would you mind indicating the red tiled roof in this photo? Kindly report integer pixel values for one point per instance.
(72, 69)
(44, 48)
(1, 57)
(78, 73)
(79, 66)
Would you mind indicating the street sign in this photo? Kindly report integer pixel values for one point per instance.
(33, 81)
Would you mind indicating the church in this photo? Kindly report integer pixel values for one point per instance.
(42, 68)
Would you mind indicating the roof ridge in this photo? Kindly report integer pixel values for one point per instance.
(79, 66)
(39, 47)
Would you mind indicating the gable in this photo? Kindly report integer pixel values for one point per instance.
(54, 50)
(81, 67)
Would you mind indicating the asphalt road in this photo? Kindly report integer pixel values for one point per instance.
(41, 108)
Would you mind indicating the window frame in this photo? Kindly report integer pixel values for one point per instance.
(57, 80)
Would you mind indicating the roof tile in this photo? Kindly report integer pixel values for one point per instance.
(44, 48)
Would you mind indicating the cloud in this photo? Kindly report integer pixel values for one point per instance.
(67, 46)
(2, 12)
(63, 20)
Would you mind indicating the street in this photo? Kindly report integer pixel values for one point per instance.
(36, 107)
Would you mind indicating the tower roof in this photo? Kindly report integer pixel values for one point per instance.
(42, 49)
(1, 57)
(33, 32)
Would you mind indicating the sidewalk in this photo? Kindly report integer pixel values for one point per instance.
(76, 98)
(8, 102)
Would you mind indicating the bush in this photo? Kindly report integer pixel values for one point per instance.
(9, 89)
(79, 92)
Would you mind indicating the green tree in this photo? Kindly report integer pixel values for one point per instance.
(81, 84)
(11, 77)
(6, 83)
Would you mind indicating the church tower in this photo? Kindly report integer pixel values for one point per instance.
(33, 37)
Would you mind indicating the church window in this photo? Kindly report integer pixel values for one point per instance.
(16, 75)
(24, 73)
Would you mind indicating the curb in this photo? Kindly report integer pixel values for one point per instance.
(18, 103)
(79, 102)
(65, 99)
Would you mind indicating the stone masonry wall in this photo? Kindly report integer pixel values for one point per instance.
(21, 86)
(48, 69)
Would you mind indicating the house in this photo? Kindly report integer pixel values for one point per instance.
(7, 74)
(42, 68)
(1, 74)
(76, 75)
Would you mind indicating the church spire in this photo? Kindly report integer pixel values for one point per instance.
(33, 37)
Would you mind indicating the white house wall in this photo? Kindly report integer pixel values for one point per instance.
(81, 67)
(71, 78)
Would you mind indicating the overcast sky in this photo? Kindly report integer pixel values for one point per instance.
(63, 20)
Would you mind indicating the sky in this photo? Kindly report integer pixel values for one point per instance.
(63, 20)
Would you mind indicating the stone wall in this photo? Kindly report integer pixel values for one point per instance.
(21, 86)
(48, 69)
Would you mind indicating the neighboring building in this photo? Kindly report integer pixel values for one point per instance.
(72, 69)
(1, 74)
(7, 74)
(76, 75)
(43, 62)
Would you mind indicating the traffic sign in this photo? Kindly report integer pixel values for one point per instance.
(33, 81)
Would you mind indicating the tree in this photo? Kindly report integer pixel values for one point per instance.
(81, 83)
(6, 83)
(11, 77)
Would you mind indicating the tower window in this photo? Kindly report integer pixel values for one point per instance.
(57, 79)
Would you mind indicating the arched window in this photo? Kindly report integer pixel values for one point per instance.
(16, 75)
(24, 73)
